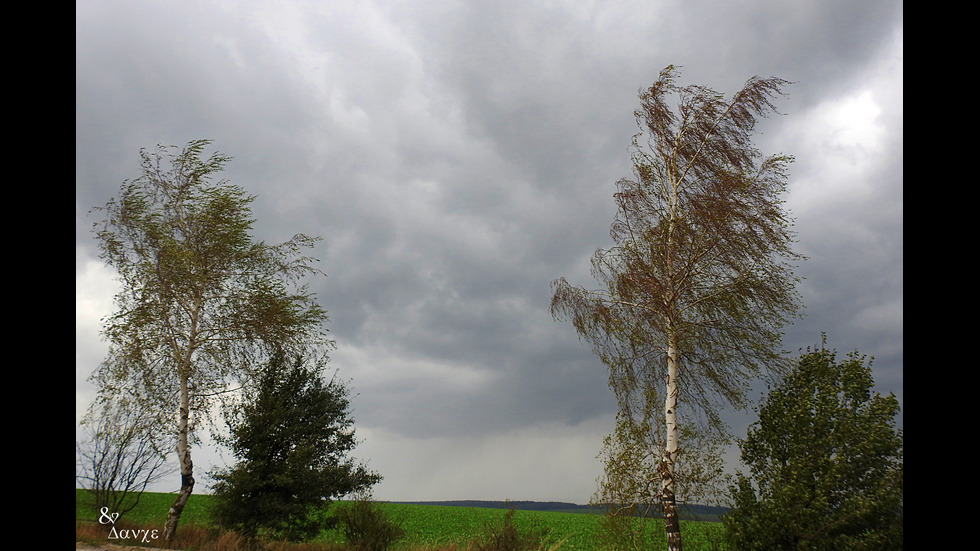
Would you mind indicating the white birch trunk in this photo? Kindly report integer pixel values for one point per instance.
(668, 495)
(186, 465)
(671, 519)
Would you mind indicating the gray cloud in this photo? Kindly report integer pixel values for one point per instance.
(456, 157)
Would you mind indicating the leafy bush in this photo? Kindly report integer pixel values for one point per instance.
(366, 526)
(826, 463)
(505, 535)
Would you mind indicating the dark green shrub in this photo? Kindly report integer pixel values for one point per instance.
(366, 526)
(826, 463)
(291, 435)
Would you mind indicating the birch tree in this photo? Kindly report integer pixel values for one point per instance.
(201, 302)
(699, 282)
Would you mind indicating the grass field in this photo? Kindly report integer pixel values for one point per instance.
(427, 527)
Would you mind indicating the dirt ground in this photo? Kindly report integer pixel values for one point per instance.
(113, 547)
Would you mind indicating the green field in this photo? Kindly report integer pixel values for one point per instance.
(426, 526)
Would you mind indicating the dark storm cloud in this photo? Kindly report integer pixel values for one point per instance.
(456, 157)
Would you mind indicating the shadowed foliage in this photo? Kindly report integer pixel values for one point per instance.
(292, 435)
(826, 463)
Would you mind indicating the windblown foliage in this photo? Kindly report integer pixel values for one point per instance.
(699, 282)
(201, 302)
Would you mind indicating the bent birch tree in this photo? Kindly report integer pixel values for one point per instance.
(700, 279)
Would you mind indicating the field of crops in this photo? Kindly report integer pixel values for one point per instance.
(436, 525)
(432, 526)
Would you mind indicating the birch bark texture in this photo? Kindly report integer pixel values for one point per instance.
(201, 303)
(700, 279)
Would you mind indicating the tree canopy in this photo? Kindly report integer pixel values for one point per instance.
(201, 301)
(825, 463)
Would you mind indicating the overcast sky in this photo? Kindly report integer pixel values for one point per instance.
(457, 157)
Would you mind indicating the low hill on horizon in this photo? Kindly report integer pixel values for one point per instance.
(518, 505)
(687, 511)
